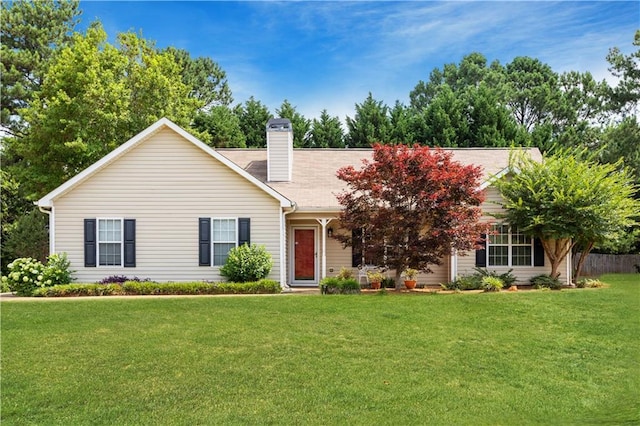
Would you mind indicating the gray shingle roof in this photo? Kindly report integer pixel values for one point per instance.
(314, 183)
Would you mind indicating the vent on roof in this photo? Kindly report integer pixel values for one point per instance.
(279, 150)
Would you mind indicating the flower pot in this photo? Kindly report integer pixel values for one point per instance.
(410, 284)
(375, 286)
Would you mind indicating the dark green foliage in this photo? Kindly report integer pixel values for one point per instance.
(335, 285)
(506, 277)
(140, 288)
(253, 117)
(221, 126)
(546, 281)
(325, 133)
(247, 263)
(28, 236)
(476, 281)
(299, 123)
(370, 124)
(388, 282)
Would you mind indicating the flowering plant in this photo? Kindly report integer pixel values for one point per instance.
(27, 274)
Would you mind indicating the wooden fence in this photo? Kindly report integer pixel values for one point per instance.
(598, 264)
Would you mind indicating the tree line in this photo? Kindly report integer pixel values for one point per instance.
(69, 97)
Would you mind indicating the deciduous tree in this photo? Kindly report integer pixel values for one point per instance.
(222, 126)
(568, 199)
(413, 205)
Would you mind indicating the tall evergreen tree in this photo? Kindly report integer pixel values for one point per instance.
(253, 116)
(325, 132)
(300, 124)
(370, 124)
(30, 31)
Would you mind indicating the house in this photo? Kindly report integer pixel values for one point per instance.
(168, 207)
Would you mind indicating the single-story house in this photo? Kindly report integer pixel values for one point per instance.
(166, 206)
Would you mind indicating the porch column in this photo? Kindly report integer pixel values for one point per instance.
(323, 269)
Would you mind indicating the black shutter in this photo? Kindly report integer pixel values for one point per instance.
(356, 248)
(244, 231)
(481, 254)
(538, 252)
(204, 241)
(89, 243)
(129, 243)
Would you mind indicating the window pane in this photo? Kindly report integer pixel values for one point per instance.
(224, 230)
(520, 239)
(500, 235)
(110, 254)
(498, 255)
(521, 256)
(220, 252)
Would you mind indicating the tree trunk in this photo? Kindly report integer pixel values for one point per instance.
(556, 250)
(583, 256)
(398, 279)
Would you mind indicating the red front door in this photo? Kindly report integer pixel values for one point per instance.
(304, 255)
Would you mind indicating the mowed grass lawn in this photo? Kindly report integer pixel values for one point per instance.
(539, 357)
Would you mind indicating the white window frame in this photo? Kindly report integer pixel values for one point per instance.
(214, 242)
(98, 241)
(510, 246)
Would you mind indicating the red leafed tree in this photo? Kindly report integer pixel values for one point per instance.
(411, 206)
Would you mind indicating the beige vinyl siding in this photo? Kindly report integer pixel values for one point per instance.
(280, 152)
(166, 184)
(338, 257)
(466, 261)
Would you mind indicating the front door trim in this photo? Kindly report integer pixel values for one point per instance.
(292, 256)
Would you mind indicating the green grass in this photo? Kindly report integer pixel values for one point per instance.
(543, 357)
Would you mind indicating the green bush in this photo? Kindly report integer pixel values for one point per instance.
(336, 285)
(464, 282)
(507, 278)
(490, 283)
(589, 283)
(27, 274)
(247, 263)
(345, 273)
(546, 281)
(154, 288)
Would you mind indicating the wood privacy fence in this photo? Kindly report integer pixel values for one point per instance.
(598, 264)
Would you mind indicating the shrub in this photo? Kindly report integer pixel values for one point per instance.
(507, 278)
(546, 281)
(57, 271)
(490, 283)
(335, 285)
(153, 288)
(120, 279)
(464, 282)
(25, 275)
(388, 282)
(589, 283)
(247, 263)
(345, 273)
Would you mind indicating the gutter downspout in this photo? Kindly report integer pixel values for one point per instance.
(52, 244)
(283, 248)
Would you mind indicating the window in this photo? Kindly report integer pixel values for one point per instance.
(508, 247)
(110, 242)
(224, 239)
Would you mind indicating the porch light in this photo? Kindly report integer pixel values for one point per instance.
(330, 232)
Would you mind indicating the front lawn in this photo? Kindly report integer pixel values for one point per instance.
(538, 357)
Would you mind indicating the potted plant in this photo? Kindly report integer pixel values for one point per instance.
(375, 278)
(410, 278)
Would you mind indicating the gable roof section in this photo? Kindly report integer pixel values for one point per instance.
(47, 200)
(314, 182)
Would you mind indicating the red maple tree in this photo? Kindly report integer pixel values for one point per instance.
(410, 207)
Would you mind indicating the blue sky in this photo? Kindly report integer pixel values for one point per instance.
(320, 54)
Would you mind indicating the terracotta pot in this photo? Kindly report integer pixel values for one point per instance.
(375, 286)
(410, 284)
